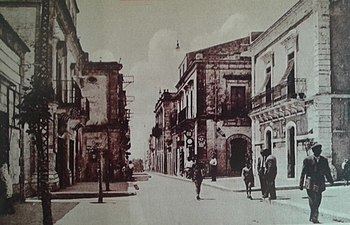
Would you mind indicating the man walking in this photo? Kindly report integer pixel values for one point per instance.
(198, 175)
(315, 169)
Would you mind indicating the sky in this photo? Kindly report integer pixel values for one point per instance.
(142, 36)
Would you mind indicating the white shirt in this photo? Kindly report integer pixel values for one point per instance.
(213, 162)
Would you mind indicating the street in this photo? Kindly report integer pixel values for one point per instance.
(163, 200)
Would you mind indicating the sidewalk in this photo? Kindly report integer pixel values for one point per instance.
(90, 190)
(335, 202)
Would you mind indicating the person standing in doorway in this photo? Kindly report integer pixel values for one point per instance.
(270, 176)
(213, 167)
(198, 175)
(315, 169)
(261, 168)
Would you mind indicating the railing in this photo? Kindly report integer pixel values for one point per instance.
(68, 93)
(229, 111)
(283, 91)
(85, 109)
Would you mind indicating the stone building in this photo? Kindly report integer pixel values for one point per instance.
(70, 109)
(212, 108)
(300, 85)
(108, 126)
(12, 58)
(151, 154)
(164, 156)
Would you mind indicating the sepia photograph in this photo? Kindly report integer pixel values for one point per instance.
(174, 112)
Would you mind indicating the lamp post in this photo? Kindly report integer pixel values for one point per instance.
(96, 150)
(215, 67)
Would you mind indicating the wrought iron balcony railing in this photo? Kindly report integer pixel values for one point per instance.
(282, 91)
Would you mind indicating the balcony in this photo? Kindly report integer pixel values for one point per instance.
(183, 122)
(70, 100)
(285, 99)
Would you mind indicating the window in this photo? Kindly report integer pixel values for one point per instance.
(238, 101)
(268, 85)
(291, 76)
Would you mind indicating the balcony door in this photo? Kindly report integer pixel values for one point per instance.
(238, 101)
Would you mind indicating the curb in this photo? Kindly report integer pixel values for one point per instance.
(77, 195)
(335, 216)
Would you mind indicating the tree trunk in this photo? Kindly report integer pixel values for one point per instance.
(43, 174)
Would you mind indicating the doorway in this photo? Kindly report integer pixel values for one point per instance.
(4, 138)
(291, 153)
(239, 156)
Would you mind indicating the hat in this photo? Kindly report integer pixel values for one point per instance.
(315, 146)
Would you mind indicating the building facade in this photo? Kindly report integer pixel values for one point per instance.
(300, 77)
(69, 109)
(164, 156)
(12, 58)
(108, 126)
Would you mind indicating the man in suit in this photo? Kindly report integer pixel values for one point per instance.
(315, 169)
(270, 176)
(261, 168)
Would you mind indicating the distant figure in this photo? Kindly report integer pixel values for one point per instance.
(315, 169)
(270, 176)
(198, 175)
(130, 170)
(261, 168)
(213, 167)
(248, 177)
(189, 168)
(6, 191)
(346, 171)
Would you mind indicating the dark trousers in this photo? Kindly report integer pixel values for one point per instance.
(270, 189)
(213, 170)
(314, 203)
(198, 184)
(262, 183)
(6, 206)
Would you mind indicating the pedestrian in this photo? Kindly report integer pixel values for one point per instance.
(189, 168)
(315, 169)
(248, 177)
(346, 171)
(213, 167)
(198, 175)
(261, 168)
(6, 191)
(130, 170)
(270, 176)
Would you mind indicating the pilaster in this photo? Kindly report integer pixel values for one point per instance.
(322, 61)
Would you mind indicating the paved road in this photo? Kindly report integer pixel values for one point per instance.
(166, 201)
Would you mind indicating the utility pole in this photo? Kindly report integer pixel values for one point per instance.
(42, 77)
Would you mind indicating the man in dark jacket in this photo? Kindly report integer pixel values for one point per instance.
(270, 176)
(261, 168)
(198, 175)
(315, 169)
